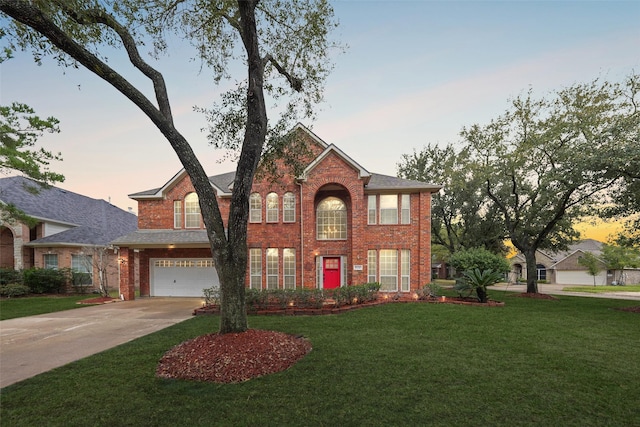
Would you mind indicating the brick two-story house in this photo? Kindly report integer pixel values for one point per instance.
(333, 225)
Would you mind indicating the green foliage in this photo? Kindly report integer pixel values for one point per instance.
(11, 290)
(355, 294)
(430, 290)
(46, 280)
(479, 258)
(212, 295)
(477, 281)
(9, 275)
(592, 263)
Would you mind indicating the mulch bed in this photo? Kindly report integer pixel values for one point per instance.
(634, 309)
(233, 357)
(534, 296)
(98, 300)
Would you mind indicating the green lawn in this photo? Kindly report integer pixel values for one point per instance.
(29, 306)
(569, 362)
(602, 289)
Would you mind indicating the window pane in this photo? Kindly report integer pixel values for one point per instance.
(372, 209)
(372, 261)
(255, 208)
(272, 268)
(51, 261)
(405, 269)
(388, 209)
(406, 209)
(272, 207)
(331, 219)
(192, 211)
(289, 267)
(388, 270)
(289, 207)
(177, 214)
(255, 268)
(82, 266)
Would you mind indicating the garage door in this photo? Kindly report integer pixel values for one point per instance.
(579, 278)
(182, 277)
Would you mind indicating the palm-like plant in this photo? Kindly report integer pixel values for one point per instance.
(477, 280)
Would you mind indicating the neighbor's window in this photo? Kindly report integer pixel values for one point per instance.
(331, 219)
(255, 268)
(50, 261)
(272, 207)
(192, 211)
(177, 214)
(405, 202)
(255, 208)
(272, 268)
(289, 267)
(373, 211)
(388, 270)
(541, 272)
(289, 207)
(388, 209)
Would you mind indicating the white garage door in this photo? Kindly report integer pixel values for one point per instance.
(181, 277)
(579, 278)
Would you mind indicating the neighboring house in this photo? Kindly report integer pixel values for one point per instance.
(72, 231)
(335, 224)
(562, 267)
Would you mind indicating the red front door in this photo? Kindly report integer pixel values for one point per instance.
(331, 270)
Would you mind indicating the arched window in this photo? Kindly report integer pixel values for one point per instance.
(272, 207)
(289, 207)
(191, 211)
(331, 219)
(255, 208)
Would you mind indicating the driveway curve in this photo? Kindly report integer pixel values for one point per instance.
(35, 344)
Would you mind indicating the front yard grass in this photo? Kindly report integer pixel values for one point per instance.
(29, 306)
(602, 289)
(570, 362)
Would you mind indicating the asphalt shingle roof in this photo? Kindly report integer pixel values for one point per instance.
(96, 222)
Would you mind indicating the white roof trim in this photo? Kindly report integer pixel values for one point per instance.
(363, 173)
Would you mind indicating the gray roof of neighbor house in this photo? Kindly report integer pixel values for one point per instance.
(93, 221)
(162, 238)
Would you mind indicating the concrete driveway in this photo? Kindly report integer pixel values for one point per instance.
(36, 344)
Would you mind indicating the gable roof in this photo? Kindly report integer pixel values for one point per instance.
(93, 221)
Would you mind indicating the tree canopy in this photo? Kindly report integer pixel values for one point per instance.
(284, 47)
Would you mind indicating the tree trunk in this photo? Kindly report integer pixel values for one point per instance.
(482, 294)
(532, 276)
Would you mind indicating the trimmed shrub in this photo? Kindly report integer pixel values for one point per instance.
(45, 280)
(479, 258)
(10, 276)
(11, 290)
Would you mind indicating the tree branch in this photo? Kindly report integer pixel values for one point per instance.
(295, 82)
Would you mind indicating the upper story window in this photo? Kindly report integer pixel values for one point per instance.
(289, 207)
(177, 214)
(272, 207)
(388, 209)
(192, 211)
(331, 219)
(255, 208)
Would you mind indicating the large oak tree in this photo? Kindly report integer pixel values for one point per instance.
(545, 163)
(283, 45)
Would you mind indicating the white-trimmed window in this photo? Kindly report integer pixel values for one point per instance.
(255, 208)
(372, 210)
(50, 261)
(272, 207)
(192, 211)
(388, 270)
(255, 268)
(272, 268)
(82, 267)
(331, 219)
(388, 209)
(405, 203)
(289, 207)
(177, 214)
(372, 264)
(289, 268)
(405, 270)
